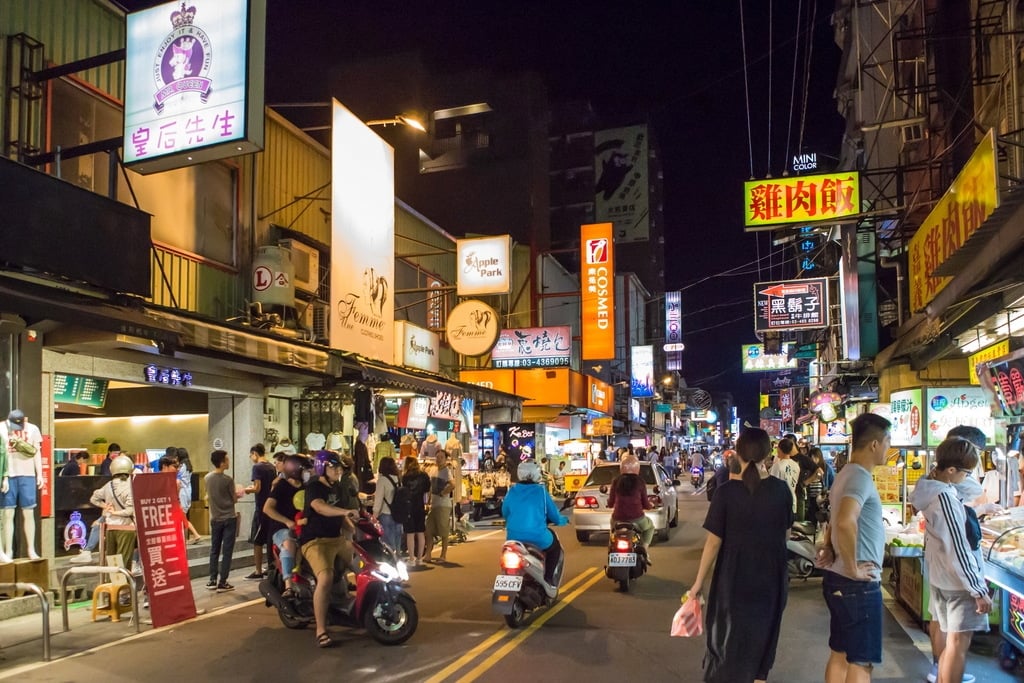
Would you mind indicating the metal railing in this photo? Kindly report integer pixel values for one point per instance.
(100, 570)
(44, 605)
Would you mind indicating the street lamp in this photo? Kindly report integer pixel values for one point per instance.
(396, 120)
(399, 120)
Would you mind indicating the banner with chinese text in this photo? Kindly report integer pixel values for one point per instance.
(621, 196)
(800, 199)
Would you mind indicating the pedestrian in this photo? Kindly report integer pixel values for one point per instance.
(113, 450)
(281, 509)
(383, 500)
(221, 495)
(418, 483)
(115, 498)
(851, 554)
(960, 600)
(748, 524)
(814, 483)
(439, 520)
(263, 475)
(185, 492)
(77, 465)
(787, 469)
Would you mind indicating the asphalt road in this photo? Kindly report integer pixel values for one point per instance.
(594, 633)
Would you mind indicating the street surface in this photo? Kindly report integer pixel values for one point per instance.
(594, 633)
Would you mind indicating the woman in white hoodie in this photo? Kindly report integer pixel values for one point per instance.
(960, 600)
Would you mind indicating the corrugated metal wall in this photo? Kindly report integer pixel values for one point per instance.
(71, 30)
(293, 165)
(197, 287)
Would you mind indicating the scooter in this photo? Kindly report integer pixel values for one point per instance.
(520, 587)
(696, 476)
(380, 605)
(627, 557)
(800, 552)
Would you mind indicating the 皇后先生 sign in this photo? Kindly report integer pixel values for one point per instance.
(801, 199)
(193, 83)
(533, 347)
(791, 305)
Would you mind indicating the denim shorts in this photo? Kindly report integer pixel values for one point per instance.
(21, 493)
(956, 611)
(856, 625)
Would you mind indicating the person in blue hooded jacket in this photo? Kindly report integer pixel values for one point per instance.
(527, 509)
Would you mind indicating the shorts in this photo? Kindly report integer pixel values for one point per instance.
(21, 493)
(856, 624)
(956, 611)
(257, 533)
(321, 553)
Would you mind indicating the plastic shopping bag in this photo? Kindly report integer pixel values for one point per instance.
(688, 621)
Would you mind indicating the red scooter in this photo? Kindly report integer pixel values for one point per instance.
(380, 605)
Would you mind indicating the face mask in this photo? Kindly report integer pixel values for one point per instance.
(306, 475)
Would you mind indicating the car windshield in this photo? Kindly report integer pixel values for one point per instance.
(604, 475)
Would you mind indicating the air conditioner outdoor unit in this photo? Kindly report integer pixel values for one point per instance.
(313, 316)
(306, 260)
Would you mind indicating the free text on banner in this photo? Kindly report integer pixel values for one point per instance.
(159, 522)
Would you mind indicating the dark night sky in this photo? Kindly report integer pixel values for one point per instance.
(682, 62)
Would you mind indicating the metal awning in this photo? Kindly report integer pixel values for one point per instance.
(381, 374)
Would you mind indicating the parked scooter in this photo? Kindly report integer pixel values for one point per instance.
(380, 604)
(520, 587)
(627, 557)
(696, 476)
(800, 551)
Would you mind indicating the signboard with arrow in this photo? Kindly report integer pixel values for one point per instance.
(791, 305)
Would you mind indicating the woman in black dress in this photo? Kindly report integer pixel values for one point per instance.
(418, 483)
(748, 524)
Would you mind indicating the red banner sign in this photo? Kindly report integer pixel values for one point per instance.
(46, 491)
(159, 522)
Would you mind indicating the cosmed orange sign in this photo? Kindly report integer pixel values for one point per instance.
(597, 291)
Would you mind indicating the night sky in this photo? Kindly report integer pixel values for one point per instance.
(678, 64)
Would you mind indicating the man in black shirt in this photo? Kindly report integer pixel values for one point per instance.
(322, 539)
(77, 465)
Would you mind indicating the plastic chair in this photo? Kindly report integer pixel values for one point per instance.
(113, 609)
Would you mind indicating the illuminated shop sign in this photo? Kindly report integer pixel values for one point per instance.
(154, 374)
(949, 407)
(642, 371)
(533, 347)
(193, 83)
(755, 359)
(800, 199)
(416, 347)
(483, 265)
(472, 328)
(905, 413)
(597, 286)
(673, 331)
(791, 304)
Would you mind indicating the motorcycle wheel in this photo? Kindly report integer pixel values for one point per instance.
(392, 631)
(515, 618)
(624, 585)
(290, 622)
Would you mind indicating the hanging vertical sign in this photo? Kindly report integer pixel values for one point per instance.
(673, 331)
(362, 239)
(597, 292)
(621, 189)
(642, 372)
(159, 523)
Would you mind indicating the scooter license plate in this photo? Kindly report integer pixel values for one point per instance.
(505, 582)
(621, 559)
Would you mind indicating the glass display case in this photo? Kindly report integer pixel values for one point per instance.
(1002, 544)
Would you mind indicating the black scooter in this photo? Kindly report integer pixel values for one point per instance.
(627, 557)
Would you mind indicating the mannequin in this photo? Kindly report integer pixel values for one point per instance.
(22, 481)
(361, 456)
(385, 448)
(454, 449)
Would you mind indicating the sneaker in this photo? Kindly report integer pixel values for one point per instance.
(933, 675)
(256, 576)
(83, 557)
(211, 585)
(224, 587)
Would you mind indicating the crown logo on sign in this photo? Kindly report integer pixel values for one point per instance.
(183, 17)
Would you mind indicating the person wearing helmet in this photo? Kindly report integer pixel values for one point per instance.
(628, 499)
(326, 536)
(115, 498)
(527, 509)
(280, 510)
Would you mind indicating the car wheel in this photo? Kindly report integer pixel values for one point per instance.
(582, 536)
(675, 518)
(663, 535)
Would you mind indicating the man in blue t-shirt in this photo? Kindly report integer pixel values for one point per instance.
(852, 554)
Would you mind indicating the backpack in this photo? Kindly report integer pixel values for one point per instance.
(972, 527)
(710, 487)
(401, 502)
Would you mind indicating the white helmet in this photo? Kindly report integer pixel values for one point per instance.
(122, 464)
(529, 470)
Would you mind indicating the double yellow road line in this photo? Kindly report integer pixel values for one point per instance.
(578, 585)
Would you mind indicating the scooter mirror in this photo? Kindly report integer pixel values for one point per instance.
(570, 501)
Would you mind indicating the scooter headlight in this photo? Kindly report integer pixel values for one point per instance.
(386, 571)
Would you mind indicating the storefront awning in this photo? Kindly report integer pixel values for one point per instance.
(381, 374)
(542, 414)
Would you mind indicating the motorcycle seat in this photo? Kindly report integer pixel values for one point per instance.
(629, 526)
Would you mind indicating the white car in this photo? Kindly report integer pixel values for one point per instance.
(590, 512)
